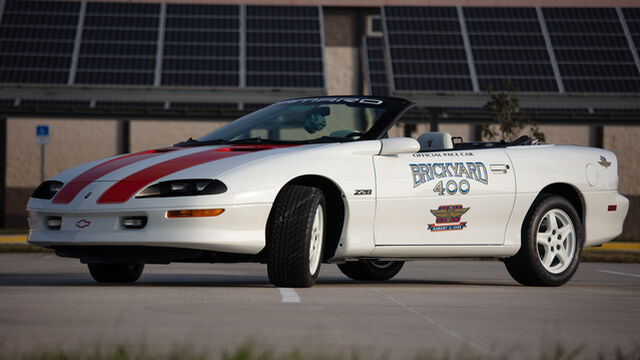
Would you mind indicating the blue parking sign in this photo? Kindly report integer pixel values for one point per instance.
(42, 135)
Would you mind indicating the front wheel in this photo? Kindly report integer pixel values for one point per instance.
(295, 236)
(371, 270)
(552, 239)
(115, 273)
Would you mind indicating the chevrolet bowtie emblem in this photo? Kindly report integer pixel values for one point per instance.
(83, 223)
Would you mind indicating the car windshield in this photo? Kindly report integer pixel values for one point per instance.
(322, 119)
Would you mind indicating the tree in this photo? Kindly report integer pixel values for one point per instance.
(504, 107)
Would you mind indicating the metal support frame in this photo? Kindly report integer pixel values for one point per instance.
(527, 100)
(242, 47)
(157, 75)
(3, 168)
(596, 136)
(76, 43)
(479, 116)
(322, 47)
(627, 34)
(123, 137)
(1, 9)
(149, 93)
(365, 62)
(550, 51)
(387, 52)
(467, 49)
(409, 128)
(434, 114)
(358, 22)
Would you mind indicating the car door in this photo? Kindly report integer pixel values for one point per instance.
(443, 197)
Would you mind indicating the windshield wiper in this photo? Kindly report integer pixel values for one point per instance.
(259, 140)
(193, 142)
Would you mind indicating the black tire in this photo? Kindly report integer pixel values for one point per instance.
(289, 236)
(371, 270)
(116, 273)
(527, 266)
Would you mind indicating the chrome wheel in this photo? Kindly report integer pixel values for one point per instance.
(556, 241)
(315, 243)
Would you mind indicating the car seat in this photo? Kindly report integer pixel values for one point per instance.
(432, 141)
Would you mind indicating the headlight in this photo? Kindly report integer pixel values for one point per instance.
(47, 189)
(188, 187)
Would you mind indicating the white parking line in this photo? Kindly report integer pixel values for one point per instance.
(289, 295)
(436, 324)
(619, 273)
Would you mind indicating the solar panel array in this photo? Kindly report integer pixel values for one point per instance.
(448, 48)
(118, 44)
(36, 41)
(201, 45)
(375, 66)
(284, 46)
(426, 48)
(124, 43)
(592, 50)
(632, 19)
(508, 44)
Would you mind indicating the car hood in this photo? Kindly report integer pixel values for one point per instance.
(127, 174)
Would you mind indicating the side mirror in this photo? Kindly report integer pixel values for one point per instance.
(400, 145)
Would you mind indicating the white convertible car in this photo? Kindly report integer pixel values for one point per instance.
(316, 180)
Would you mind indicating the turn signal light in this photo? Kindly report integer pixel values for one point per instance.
(194, 213)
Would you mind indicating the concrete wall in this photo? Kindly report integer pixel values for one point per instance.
(624, 142)
(150, 134)
(342, 51)
(72, 142)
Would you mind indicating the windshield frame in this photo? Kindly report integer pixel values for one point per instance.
(393, 109)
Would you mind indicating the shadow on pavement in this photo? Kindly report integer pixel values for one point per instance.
(216, 280)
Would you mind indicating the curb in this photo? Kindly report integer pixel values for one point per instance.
(12, 239)
(616, 246)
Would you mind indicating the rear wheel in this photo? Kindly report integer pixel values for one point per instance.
(116, 273)
(371, 270)
(295, 236)
(552, 239)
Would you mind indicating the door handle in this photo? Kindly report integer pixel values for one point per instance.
(499, 168)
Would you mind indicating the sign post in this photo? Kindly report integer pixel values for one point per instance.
(42, 139)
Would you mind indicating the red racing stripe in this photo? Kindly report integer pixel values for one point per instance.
(129, 186)
(72, 188)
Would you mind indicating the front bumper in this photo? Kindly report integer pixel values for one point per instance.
(239, 229)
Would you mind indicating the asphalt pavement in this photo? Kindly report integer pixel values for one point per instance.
(48, 302)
